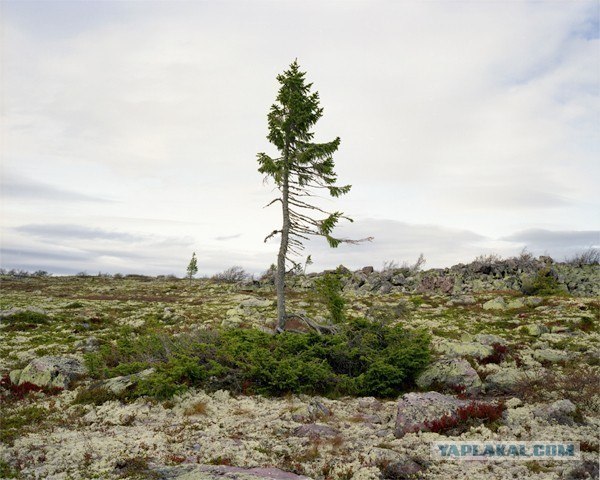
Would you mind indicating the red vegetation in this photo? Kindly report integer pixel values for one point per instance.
(10, 391)
(176, 459)
(474, 410)
(497, 356)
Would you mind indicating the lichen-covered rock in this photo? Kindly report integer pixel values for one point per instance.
(464, 349)
(256, 302)
(6, 314)
(14, 376)
(462, 300)
(490, 339)
(536, 330)
(550, 355)
(52, 371)
(450, 373)
(118, 385)
(495, 304)
(415, 409)
(561, 412)
(504, 380)
(402, 469)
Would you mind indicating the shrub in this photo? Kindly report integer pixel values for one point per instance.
(465, 417)
(363, 359)
(95, 396)
(28, 317)
(497, 356)
(589, 257)
(543, 283)
(405, 268)
(9, 391)
(233, 274)
(329, 289)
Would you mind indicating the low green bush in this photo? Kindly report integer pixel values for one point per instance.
(544, 283)
(25, 320)
(329, 288)
(365, 358)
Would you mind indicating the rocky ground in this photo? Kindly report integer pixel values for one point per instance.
(536, 356)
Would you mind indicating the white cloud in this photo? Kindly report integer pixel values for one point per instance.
(473, 116)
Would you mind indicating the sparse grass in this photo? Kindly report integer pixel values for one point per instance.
(15, 423)
(96, 395)
(135, 467)
(578, 383)
(25, 320)
(197, 408)
(6, 471)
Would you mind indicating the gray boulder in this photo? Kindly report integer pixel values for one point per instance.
(561, 412)
(504, 380)
(118, 385)
(403, 469)
(550, 355)
(52, 371)
(415, 409)
(464, 349)
(495, 304)
(536, 330)
(450, 373)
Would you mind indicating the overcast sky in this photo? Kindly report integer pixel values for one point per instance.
(130, 129)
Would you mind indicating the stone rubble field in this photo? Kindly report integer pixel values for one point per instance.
(536, 356)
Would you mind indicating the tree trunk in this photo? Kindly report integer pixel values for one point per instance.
(283, 247)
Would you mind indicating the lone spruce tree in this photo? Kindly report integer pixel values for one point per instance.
(302, 168)
(192, 268)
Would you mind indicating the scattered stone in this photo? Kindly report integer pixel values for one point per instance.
(504, 380)
(513, 402)
(118, 385)
(489, 339)
(463, 300)
(14, 376)
(550, 355)
(517, 303)
(536, 330)
(88, 345)
(582, 470)
(51, 371)
(13, 311)
(561, 412)
(414, 409)
(367, 270)
(464, 349)
(406, 468)
(316, 409)
(432, 284)
(495, 304)
(256, 302)
(450, 373)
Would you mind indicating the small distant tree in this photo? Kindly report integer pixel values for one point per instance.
(302, 166)
(192, 268)
(308, 262)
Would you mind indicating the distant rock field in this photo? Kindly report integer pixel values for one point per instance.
(515, 356)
